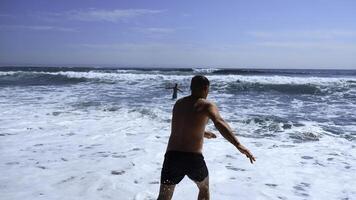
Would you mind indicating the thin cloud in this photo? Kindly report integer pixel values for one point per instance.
(307, 45)
(303, 34)
(136, 48)
(158, 30)
(37, 28)
(102, 15)
(130, 46)
(186, 15)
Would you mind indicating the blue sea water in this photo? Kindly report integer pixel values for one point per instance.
(304, 118)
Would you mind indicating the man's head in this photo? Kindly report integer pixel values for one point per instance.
(200, 86)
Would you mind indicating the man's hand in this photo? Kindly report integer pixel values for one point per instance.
(209, 135)
(245, 151)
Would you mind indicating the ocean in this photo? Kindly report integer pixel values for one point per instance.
(101, 133)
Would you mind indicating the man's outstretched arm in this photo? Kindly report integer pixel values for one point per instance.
(226, 131)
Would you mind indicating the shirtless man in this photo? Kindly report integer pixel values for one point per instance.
(184, 150)
(175, 90)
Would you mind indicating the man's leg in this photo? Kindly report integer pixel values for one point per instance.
(203, 189)
(166, 192)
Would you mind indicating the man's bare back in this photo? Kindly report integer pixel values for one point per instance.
(188, 125)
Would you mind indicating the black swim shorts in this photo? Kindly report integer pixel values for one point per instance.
(177, 164)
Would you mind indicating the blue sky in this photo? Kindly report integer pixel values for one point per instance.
(182, 33)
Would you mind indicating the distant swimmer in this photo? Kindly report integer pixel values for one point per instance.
(175, 91)
(184, 151)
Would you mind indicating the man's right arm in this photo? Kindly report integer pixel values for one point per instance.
(226, 131)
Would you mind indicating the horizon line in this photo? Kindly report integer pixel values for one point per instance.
(169, 67)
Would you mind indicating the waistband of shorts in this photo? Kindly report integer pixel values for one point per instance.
(183, 153)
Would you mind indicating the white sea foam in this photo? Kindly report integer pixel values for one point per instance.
(224, 78)
(107, 141)
(205, 70)
(129, 76)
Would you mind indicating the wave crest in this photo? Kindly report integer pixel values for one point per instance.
(288, 88)
(36, 79)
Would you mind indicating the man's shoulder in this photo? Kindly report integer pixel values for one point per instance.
(205, 102)
(200, 101)
(203, 105)
(181, 100)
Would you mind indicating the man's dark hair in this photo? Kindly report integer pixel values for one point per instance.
(199, 82)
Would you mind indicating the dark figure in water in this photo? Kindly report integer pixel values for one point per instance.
(175, 91)
(184, 151)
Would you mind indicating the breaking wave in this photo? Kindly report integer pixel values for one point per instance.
(36, 79)
(223, 83)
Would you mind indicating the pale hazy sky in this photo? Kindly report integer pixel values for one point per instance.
(182, 33)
